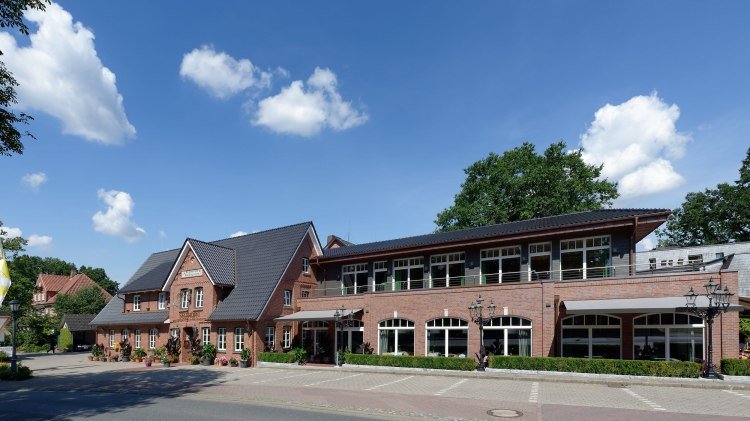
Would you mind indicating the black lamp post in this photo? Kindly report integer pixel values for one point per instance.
(341, 322)
(14, 306)
(718, 303)
(477, 316)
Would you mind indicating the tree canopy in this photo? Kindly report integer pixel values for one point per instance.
(521, 184)
(85, 301)
(712, 216)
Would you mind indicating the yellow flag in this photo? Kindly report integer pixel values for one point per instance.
(4, 274)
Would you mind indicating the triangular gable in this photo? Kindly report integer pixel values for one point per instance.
(216, 261)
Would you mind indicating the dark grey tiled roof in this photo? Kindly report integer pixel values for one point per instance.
(112, 314)
(490, 231)
(261, 260)
(77, 322)
(152, 273)
(218, 261)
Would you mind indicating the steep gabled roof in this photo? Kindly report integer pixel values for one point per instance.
(153, 272)
(52, 283)
(77, 283)
(219, 262)
(77, 322)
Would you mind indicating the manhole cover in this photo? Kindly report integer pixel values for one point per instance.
(504, 413)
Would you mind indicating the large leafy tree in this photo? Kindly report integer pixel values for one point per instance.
(521, 184)
(85, 301)
(25, 269)
(99, 276)
(11, 16)
(712, 216)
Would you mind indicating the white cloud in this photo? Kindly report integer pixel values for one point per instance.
(60, 74)
(10, 232)
(42, 242)
(648, 243)
(237, 234)
(635, 141)
(34, 180)
(307, 110)
(117, 220)
(221, 74)
(162, 234)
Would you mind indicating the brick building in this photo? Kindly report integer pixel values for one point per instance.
(49, 287)
(563, 286)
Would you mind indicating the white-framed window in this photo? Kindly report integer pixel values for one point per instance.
(123, 334)
(287, 297)
(315, 336)
(305, 265)
(585, 258)
(447, 270)
(286, 341)
(508, 335)
(205, 335)
(408, 273)
(184, 298)
(270, 338)
(668, 336)
(447, 336)
(500, 265)
(591, 336)
(380, 276)
(162, 301)
(239, 339)
(396, 336)
(136, 303)
(111, 338)
(221, 339)
(354, 278)
(199, 298)
(137, 338)
(540, 261)
(152, 338)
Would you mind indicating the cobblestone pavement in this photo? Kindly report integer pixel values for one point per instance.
(385, 395)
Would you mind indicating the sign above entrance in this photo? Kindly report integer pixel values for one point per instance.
(192, 273)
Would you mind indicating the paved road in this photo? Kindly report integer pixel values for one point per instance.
(71, 387)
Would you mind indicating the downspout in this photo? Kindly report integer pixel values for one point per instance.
(632, 247)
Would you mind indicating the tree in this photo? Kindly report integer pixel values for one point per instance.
(712, 216)
(11, 16)
(85, 301)
(12, 245)
(99, 276)
(520, 184)
(24, 271)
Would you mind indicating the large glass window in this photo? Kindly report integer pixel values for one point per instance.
(271, 338)
(354, 278)
(315, 337)
(447, 336)
(137, 338)
(380, 275)
(540, 261)
(199, 298)
(447, 270)
(585, 258)
(408, 273)
(184, 298)
(221, 339)
(508, 335)
(239, 339)
(352, 337)
(501, 265)
(205, 335)
(668, 336)
(136, 303)
(162, 303)
(111, 338)
(591, 336)
(152, 338)
(396, 336)
(286, 340)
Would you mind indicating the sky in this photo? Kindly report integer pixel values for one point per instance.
(158, 123)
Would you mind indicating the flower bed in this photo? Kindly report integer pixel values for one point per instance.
(598, 366)
(735, 367)
(442, 363)
(276, 357)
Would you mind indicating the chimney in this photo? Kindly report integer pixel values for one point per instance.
(73, 273)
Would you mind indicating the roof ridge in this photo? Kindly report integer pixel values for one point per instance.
(264, 231)
(208, 243)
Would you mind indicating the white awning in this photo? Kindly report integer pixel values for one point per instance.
(635, 305)
(313, 315)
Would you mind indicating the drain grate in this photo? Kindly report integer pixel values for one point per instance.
(504, 413)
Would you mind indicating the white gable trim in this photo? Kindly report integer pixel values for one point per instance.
(178, 263)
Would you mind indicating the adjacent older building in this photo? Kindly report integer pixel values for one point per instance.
(49, 287)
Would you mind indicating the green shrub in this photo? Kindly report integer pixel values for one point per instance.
(444, 363)
(300, 355)
(245, 354)
(735, 367)
(65, 341)
(598, 366)
(23, 372)
(276, 357)
(4, 357)
(209, 351)
(34, 348)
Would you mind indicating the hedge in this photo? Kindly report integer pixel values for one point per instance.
(23, 372)
(735, 367)
(66, 340)
(276, 357)
(444, 363)
(4, 357)
(598, 366)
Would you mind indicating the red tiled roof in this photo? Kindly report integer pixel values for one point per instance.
(77, 283)
(52, 283)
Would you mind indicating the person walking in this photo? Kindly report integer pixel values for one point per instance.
(52, 343)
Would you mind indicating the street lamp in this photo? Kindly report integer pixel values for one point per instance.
(718, 303)
(477, 316)
(14, 306)
(341, 322)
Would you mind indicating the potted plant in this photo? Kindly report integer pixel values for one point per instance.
(148, 361)
(300, 355)
(233, 362)
(125, 350)
(244, 357)
(208, 354)
(115, 358)
(194, 360)
(140, 354)
(166, 360)
(222, 361)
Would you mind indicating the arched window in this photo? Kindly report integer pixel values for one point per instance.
(447, 336)
(668, 336)
(396, 336)
(508, 335)
(351, 336)
(591, 336)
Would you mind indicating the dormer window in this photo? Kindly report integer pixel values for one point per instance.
(184, 298)
(305, 265)
(136, 303)
(162, 302)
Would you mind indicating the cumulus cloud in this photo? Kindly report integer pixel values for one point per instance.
(635, 141)
(42, 242)
(306, 110)
(60, 74)
(117, 219)
(10, 232)
(237, 234)
(221, 74)
(34, 180)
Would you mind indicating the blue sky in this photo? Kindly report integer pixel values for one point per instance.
(225, 124)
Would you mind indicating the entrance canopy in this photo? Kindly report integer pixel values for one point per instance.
(636, 305)
(313, 315)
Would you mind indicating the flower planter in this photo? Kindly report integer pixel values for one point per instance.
(206, 362)
(243, 363)
(167, 364)
(148, 363)
(125, 358)
(91, 358)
